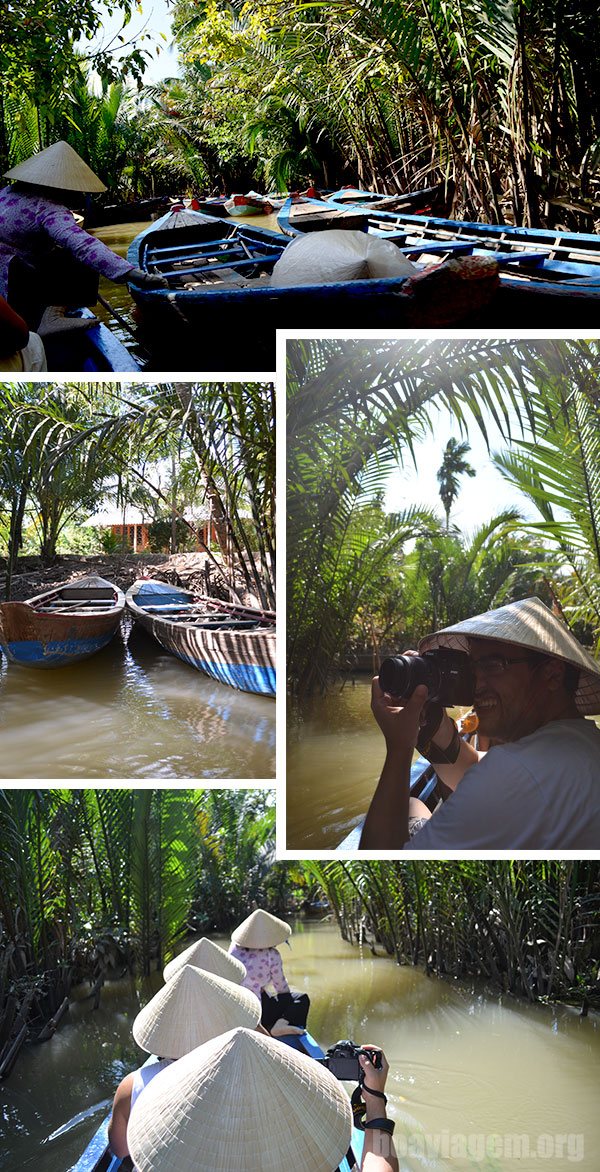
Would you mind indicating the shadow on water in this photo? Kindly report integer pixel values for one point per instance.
(462, 1061)
(131, 711)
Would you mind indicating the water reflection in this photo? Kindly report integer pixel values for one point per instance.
(334, 757)
(462, 1062)
(131, 711)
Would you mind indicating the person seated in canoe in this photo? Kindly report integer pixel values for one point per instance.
(533, 685)
(205, 954)
(254, 943)
(248, 1101)
(20, 348)
(46, 258)
(192, 1007)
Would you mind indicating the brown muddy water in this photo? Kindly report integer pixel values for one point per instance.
(335, 753)
(467, 1069)
(131, 711)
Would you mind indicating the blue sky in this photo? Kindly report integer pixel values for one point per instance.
(480, 497)
(150, 16)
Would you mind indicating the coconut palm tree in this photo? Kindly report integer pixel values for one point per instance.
(453, 465)
(356, 409)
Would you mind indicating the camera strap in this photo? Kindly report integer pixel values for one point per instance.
(358, 1104)
(425, 743)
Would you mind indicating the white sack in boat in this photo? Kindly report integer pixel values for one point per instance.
(339, 254)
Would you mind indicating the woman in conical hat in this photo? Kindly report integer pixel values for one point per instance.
(538, 787)
(205, 954)
(192, 1007)
(246, 1101)
(254, 943)
(35, 221)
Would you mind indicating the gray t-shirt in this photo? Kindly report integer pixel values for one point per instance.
(540, 792)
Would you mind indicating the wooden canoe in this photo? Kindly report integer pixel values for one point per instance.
(97, 1156)
(545, 278)
(63, 625)
(233, 644)
(94, 349)
(221, 271)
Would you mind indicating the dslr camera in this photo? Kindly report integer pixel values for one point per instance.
(447, 674)
(342, 1060)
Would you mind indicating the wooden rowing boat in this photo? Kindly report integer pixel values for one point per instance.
(231, 643)
(93, 349)
(251, 204)
(434, 199)
(545, 278)
(63, 625)
(97, 1156)
(222, 271)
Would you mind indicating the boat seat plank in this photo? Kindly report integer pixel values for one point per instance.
(455, 247)
(243, 262)
(96, 605)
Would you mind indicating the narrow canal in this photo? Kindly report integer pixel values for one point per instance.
(463, 1064)
(131, 711)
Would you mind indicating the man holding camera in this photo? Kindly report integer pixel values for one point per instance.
(539, 786)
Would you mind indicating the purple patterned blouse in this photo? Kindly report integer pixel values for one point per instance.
(263, 967)
(30, 223)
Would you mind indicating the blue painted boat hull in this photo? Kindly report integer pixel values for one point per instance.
(94, 349)
(546, 278)
(54, 653)
(61, 626)
(240, 657)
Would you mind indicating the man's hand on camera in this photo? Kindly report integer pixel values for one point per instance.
(400, 724)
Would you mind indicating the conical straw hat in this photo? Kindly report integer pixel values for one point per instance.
(204, 954)
(191, 1008)
(528, 623)
(242, 1101)
(261, 930)
(58, 166)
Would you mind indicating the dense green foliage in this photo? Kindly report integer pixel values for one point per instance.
(94, 883)
(530, 928)
(357, 410)
(499, 99)
(63, 448)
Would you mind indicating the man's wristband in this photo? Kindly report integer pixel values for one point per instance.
(447, 756)
(380, 1125)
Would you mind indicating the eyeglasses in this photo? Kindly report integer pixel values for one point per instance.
(495, 665)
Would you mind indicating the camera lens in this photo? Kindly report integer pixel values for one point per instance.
(400, 674)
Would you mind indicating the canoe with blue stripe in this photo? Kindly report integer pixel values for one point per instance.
(546, 278)
(558, 244)
(233, 644)
(63, 625)
(434, 199)
(97, 1156)
(93, 349)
